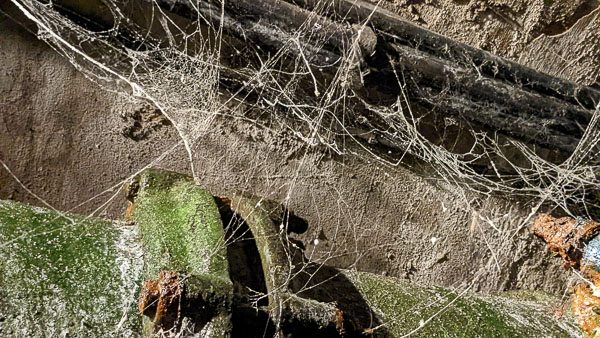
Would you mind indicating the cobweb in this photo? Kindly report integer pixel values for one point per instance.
(197, 77)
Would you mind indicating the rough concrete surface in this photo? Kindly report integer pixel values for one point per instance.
(67, 140)
(558, 37)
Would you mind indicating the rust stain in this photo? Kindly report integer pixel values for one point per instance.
(223, 203)
(565, 236)
(339, 322)
(129, 211)
(148, 298)
(586, 303)
(161, 300)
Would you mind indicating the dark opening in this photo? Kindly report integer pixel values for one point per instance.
(246, 273)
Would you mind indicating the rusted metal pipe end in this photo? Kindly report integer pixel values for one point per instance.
(148, 298)
(161, 300)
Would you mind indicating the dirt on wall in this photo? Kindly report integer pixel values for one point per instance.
(70, 142)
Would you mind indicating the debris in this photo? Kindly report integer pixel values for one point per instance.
(315, 299)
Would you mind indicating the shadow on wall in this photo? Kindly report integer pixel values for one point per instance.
(312, 281)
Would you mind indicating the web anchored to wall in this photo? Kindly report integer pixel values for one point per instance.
(332, 81)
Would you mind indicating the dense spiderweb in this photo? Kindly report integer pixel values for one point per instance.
(177, 66)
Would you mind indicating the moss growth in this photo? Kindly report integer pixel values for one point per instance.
(219, 326)
(214, 290)
(260, 214)
(539, 297)
(181, 230)
(66, 275)
(180, 225)
(403, 307)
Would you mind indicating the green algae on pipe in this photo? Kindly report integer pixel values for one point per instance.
(66, 276)
(179, 223)
(398, 306)
(268, 221)
(182, 234)
(403, 307)
(259, 214)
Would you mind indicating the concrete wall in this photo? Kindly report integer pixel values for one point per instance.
(62, 136)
